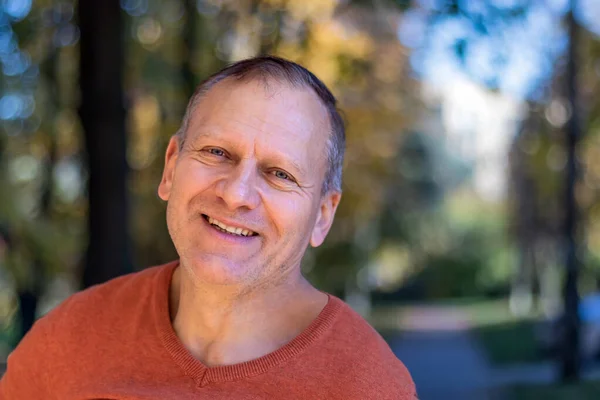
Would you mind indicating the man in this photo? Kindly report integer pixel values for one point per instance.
(251, 179)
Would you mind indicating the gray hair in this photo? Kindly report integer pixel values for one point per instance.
(267, 68)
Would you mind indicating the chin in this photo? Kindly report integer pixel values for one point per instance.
(219, 270)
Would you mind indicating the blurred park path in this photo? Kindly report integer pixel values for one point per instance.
(440, 347)
(445, 361)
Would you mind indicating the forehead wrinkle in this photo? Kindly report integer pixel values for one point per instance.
(274, 89)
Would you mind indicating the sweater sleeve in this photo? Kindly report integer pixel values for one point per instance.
(26, 372)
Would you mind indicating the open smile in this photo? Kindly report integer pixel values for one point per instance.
(232, 230)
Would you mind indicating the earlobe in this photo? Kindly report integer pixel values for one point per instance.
(329, 205)
(164, 188)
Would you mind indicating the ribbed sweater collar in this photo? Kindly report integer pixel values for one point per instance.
(204, 375)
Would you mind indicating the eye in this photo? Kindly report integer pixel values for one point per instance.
(282, 175)
(216, 152)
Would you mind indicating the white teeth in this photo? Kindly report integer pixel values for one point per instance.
(230, 229)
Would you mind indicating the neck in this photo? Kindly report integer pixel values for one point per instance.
(223, 325)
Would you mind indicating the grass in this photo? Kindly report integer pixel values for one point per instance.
(579, 391)
(509, 343)
(505, 338)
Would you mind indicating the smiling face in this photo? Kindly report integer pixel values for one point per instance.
(253, 163)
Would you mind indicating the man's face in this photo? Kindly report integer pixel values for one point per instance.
(254, 158)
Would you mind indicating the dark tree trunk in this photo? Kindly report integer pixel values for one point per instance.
(102, 113)
(570, 363)
(189, 48)
(28, 302)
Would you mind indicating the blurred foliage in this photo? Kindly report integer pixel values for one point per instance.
(409, 218)
(170, 47)
(538, 161)
(585, 390)
(510, 343)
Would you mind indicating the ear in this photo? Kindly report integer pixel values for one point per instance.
(329, 203)
(164, 188)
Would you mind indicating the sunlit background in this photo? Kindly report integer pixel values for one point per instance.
(450, 237)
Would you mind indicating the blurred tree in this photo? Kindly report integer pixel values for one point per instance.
(38, 245)
(570, 354)
(29, 294)
(102, 113)
(190, 79)
(554, 189)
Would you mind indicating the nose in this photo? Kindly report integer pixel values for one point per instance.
(238, 188)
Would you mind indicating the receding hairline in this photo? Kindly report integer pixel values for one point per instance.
(269, 84)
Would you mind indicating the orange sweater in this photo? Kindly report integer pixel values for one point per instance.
(115, 341)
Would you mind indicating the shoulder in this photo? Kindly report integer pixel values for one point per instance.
(354, 342)
(64, 333)
(108, 299)
(103, 306)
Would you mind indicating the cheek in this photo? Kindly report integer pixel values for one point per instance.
(289, 212)
(192, 178)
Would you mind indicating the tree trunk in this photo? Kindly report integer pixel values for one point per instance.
(189, 48)
(28, 301)
(570, 355)
(103, 116)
